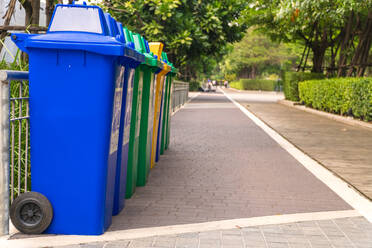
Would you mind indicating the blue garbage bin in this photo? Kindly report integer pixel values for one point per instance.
(125, 118)
(161, 122)
(76, 91)
(160, 126)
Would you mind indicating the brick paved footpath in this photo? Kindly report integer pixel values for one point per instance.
(342, 148)
(221, 166)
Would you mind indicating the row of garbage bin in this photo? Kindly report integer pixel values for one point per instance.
(99, 119)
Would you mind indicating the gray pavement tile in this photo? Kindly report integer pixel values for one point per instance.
(117, 244)
(299, 245)
(253, 237)
(255, 244)
(363, 244)
(93, 245)
(275, 238)
(137, 243)
(278, 244)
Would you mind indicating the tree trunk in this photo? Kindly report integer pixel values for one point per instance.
(319, 48)
(49, 8)
(367, 46)
(345, 44)
(318, 57)
(253, 72)
(32, 10)
(35, 12)
(360, 58)
(26, 4)
(8, 15)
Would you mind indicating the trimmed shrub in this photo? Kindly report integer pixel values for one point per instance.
(236, 85)
(291, 80)
(345, 96)
(194, 86)
(254, 84)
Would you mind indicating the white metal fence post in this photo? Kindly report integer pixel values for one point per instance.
(4, 154)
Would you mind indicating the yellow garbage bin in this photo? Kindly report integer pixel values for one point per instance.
(156, 48)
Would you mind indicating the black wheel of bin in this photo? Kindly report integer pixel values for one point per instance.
(31, 213)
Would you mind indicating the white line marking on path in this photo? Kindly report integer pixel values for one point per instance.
(340, 187)
(62, 240)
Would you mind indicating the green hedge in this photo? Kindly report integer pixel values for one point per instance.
(346, 96)
(291, 80)
(194, 86)
(254, 84)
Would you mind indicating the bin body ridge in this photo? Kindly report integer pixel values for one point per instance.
(134, 133)
(123, 142)
(146, 126)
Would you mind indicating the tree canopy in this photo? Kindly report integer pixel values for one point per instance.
(320, 25)
(192, 30)
(256, 54)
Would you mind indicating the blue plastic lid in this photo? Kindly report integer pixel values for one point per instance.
(78, 18)
(120, 29)
(79, 27)
(112, 26)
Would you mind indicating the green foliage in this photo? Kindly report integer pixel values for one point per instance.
(254, 84)
(291, 20)
(230, 77)
(194, 86)
(256, 54)
(291, 80)
(352, 96)
(191, 30)
(316, 23)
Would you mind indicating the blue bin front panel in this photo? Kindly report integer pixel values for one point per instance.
(157, 155)
(71, 108)
(123, 146)
(115, 131)
(158, 142)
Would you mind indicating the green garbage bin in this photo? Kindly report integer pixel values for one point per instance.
(135, 118)
(172, 75)
(149, 69)
(167, 109)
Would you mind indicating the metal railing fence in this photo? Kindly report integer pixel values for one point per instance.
(15, 146)
(180, 93)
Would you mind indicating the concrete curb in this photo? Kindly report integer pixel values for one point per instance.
(346, 120)
(64, 240)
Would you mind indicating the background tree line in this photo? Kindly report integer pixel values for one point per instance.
(205, 38)
(336, 32)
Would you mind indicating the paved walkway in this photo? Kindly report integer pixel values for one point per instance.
(342, 148)
(221, 166)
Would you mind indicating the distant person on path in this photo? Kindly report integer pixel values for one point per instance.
(226, 84)
(209, 85)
